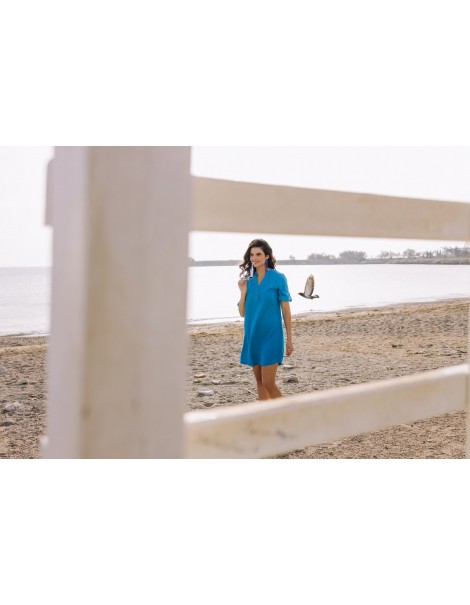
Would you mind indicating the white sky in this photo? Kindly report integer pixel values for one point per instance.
(24, 239)
(433, 172)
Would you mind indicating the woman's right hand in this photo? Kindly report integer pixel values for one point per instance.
(242, 285)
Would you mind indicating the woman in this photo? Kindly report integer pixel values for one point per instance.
(263, 295)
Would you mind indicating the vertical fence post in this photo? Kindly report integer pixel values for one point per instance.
(118, 326)
(467, 407)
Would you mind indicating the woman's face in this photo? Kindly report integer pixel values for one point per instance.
(258, 257)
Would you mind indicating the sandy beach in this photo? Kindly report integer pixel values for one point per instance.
(331, 350)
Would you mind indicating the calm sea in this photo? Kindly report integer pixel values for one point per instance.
(213, 291)
(24, 300)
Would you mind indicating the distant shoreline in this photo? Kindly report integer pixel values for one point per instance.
(337, 261)
(346, 311)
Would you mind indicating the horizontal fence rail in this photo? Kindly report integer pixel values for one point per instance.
(232, 206)
(258, 430)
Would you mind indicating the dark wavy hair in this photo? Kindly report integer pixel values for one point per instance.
(266, 248)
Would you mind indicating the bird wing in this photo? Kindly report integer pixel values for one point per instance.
(309, 285)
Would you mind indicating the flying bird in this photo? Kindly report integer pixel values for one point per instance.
(308, 290)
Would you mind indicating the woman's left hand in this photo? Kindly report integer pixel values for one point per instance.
(289, 348)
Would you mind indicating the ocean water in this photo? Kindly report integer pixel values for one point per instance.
(24, 300)
(213, 291)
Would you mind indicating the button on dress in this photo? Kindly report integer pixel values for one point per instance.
(263, 336)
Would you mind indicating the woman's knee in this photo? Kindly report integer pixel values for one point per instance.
(269, 383)
(268, 377)
(257, 374)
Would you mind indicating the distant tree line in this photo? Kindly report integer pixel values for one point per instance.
(358, 256)
(447, 254)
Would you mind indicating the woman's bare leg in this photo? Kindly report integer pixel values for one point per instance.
(263, 393)
(268, 378)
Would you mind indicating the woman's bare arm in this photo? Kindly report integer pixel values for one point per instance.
(286, 314)
(241, 304)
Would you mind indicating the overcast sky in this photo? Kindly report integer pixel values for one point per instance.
(429, 172)
(24, 240)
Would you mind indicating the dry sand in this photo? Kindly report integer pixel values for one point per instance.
(331, 350)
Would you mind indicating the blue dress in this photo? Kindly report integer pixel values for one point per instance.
(263, 337)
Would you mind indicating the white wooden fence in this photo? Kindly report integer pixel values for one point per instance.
(117, 361)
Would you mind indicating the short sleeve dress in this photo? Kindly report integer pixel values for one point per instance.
(263, 337)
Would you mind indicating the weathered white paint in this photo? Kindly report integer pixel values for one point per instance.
(264, 429)
(118, 335)
(221, 205)
(49, 193)
(66, 203)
